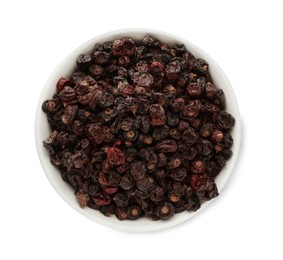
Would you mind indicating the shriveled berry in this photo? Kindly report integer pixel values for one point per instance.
(150, 40)
(96, 71)
(157, 114)
(127, 182)
(100, 57)
(177, 104)
(217, 136)
(172, 70)
(117, 48)
(142, 66)
(68, 95)
(172, 119)
(197, 166)
(174, 162)
(161, 173)
(115, 156)
(134, 212)
(165, 211)
(124, 61)
(210, 90)
(194, 89)
(128, 47)
(82, 199)
(145, 183)
(138, 170)
(206, 130)
(156, 68)
(160, 133)
(200, 182)
(143, 79)
(69, 114)
(61, 83)
(121, 200)
(105, 100)
(190, 136)
(157, 194)
(225, 120)
(84, 61)
(51, 106)
(191, 110)
(193, 204)
(178, 174)
(166, 146)
(121, 213)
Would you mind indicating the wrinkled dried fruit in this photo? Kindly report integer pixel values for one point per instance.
(139, 129)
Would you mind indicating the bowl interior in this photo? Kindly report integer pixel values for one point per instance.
(42, 130)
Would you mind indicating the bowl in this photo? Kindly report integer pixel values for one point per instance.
(42, 130)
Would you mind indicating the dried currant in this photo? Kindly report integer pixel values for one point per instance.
(139, 129)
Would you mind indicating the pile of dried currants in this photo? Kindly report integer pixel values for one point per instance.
(139, 129)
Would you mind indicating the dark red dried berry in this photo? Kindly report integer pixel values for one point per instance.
(157, 114)
(115, 156)
(124, 61)
(177, 104)
(194, 89)
(166, 146)
(197, 166)
(128, 47)
(217, 136)
(210, 90)
(143, 79)
(110, 190)
(68, 95)
(96, 71)
(69, 114)
(102, 199)
(117, 48)
(156, 68)
(200, 182)
(191, 110)
(172, 70)
(61, 83)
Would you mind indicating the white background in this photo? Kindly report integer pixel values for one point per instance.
(244, 37)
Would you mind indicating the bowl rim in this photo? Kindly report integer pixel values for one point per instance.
(128, 225)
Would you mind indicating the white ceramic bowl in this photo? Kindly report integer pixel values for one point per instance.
(42, 130)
